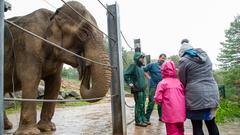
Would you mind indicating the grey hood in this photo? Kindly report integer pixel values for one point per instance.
(201, 56)
(184, 47)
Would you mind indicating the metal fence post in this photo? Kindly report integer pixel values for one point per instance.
(1, 64)
(137, 45)
(117, 84)
(148, 59)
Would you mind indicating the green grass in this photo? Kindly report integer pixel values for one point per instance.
(71, 79)
(16, 108)
(73, 104)
(228, 111)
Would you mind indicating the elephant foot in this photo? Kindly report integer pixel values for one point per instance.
(46, 126)
(27, 130)
(7, 124)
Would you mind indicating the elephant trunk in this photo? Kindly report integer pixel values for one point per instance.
(96, 78)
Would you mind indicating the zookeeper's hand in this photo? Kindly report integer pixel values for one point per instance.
(130, 85)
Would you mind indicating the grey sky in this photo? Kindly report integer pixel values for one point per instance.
(160, 24)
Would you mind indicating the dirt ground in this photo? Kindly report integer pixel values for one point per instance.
(70, 84)
(96, 120)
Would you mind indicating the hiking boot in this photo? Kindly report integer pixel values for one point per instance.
(141, 124)
(148, 122)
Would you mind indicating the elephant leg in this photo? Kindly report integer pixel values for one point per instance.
(28, 117)
(7, 123)
(52, 87)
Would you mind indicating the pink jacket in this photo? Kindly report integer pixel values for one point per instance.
(170, 94)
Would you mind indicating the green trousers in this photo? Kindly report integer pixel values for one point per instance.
(151, 103)
(140, 98)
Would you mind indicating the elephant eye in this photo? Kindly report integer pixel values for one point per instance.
(83, 35)
(85, 32)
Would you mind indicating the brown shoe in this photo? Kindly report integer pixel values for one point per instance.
(141, 124)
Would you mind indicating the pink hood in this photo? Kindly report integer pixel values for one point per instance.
(168, 70)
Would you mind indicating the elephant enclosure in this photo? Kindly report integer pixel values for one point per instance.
(96, 120)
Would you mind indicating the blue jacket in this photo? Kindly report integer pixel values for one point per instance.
(155, 72)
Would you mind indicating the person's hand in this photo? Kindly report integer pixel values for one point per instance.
(130, 85)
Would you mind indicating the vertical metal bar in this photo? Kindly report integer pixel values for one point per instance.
(1, 64)
(148, 59)
(137, 45)
(117, 85)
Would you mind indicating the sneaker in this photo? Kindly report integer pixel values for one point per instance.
(141, 124)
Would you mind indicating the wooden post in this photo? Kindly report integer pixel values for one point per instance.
(117, 84)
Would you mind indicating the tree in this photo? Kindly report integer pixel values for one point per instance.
(70, 73)
(230, 54)
(127, 57)
(230, 51)
(175, 59)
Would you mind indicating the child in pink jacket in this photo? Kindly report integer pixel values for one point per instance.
(170, 94)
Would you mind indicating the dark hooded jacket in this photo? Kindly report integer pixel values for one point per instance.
(134, 73)
(195, 72)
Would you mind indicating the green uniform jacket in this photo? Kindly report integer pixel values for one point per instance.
(134, 73)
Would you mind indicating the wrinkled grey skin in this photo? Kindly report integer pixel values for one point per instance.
(35, 60)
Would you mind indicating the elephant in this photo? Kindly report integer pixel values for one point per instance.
(28, 60)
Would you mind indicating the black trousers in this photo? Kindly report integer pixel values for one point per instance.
(211, 126)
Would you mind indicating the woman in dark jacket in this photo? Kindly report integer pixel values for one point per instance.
(202, 97)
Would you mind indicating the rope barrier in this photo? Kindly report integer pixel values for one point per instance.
(130, 122)
(54, 100)
(129, 105)
(106, 8)
(126, 41)
(87, 20)
(55, 45)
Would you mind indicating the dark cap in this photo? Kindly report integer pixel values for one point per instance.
(185, 41)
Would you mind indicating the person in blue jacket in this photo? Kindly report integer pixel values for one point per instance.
(154, 75)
